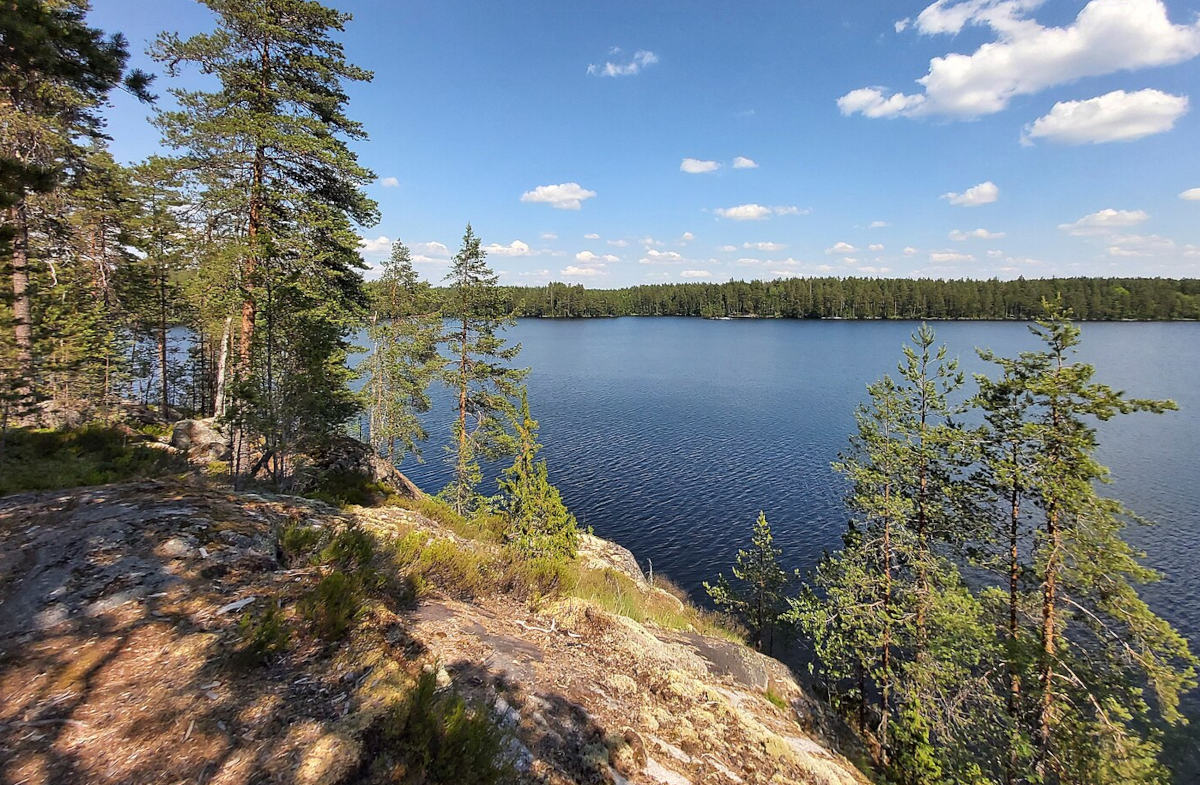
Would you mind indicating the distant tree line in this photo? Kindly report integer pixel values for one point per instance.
(1090, 299)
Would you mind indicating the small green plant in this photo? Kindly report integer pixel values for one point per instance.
(776, 699)
(436, 738)
(334, 604)
(297, 541)
(346, 488)
(261, 637)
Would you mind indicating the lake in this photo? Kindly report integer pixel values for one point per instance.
(668, 435)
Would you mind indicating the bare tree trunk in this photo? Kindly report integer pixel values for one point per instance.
(21, 309)
(219, 402)
(1014, 675)
(162, 344)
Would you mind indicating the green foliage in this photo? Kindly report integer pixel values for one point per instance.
(265, 157)
(92, 455)
(262, 636)
(334, 604)
(436, 738)
(347, 488)
(538, 523)
(760, 596)
(404, 330)
(477, 372)
(1053, 670)
(299, 542)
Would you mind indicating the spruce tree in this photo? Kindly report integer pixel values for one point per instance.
(760, 596)
(404, 330)
(538, 522)
(478, 371)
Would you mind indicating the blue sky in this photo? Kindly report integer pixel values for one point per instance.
(599, 142)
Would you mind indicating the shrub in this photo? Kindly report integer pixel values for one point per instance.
(92, 455)
(297, 541)
(346, 488)
(334, 604)
(437, 738)
(261, 637)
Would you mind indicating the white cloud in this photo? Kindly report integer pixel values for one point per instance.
(377, 245)
(1140, 245)
(765, 246)
(984, 193)
(389, 182)
(870, 102)
(564, 196)
(910, 251)
(742, 162)
(515, 248)
(549, 236)
(686, 237)
(995, 254)
(591, 236)
(944, 257)
(975, 234)
(1026, 57)
(574, 271)
(841, 248)
(695, 274)
(432, 248)
(1104, 222)
(1191, 194)
(640, 60)
(744, 212)
(618, 243)
(756, 212)
(654, 256)
(876, 247)
(588, 257)
(728, 248)
(1113, 117)
(878, 225)
(696, 166)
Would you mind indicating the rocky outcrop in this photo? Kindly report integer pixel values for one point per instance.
(121, 607)
(203, 441)
(346, 456)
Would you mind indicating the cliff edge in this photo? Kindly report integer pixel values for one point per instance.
(164, 631)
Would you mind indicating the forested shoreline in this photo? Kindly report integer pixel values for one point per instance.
(1089, 298)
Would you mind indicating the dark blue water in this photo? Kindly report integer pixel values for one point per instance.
(668, 435)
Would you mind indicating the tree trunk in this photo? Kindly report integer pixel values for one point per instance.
(219, 401)
(162, 343)
(464, 365)
(1049, 641)
(1014, 674)
(21, 309)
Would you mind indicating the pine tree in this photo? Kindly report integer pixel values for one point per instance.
(404, 331)
(760, 598)
(267, 154)
(1098, 642)
(55, 72)
(538, 522)
(478, 372)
